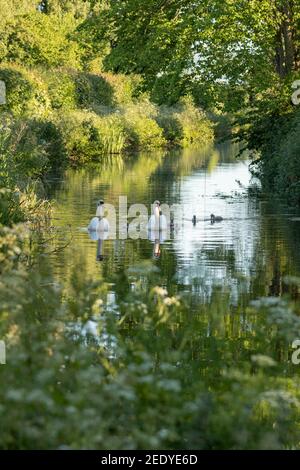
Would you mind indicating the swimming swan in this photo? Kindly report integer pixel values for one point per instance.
(99, 223)
(157, 221)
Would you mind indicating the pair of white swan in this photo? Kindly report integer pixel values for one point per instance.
(157, 222)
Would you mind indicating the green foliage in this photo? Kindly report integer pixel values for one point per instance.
(88, 136)
(287, 178)
(135, 384)
(12, 8)
(229, 48)
(126, 88)
(271, 129)
(143, 129)
(10, 247)
(58, 33)
(23, 161)
(39, 39)
(185, 124)
(91, 38)
(61, 89)
(39, 90)
(26, 91)
(114, 116)
(77, 8)
(93, 91)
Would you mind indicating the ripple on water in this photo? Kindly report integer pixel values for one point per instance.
(242, 251)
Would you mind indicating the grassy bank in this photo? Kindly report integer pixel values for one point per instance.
(81, 116)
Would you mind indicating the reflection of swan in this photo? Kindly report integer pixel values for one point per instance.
(157, 221)
(156, 251)
(99, 236)
(99, 223)
(99, 256)
(157, 237)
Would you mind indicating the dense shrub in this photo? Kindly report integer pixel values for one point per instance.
(61, 88)
(39, 39)
(126, 88)
(273, 138)
(185, 124)
(196, 128)
(26, 91)
(93, 91)
(287, 158)
(140, 118)
(114, 116)
(24, 159)
(70, 389)
(97, 91)
(170, 124)
(88, 136)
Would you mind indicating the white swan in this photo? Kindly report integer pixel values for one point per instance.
(158, 221)
(99, 223)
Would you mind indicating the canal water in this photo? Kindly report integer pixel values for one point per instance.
(246, 255)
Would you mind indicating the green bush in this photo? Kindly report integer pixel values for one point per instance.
(88, 136)
(11, 240)
(41, 40)
(61, 88)
(112, 119)
(26, 91)
(184, 124)
(196, 127)
(144, 132)
(25, 157)
(274, 141)
(93, 91)
(287, 179)
(126, 88)
(169, 122)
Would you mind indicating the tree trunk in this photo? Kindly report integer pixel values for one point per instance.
(286, 54)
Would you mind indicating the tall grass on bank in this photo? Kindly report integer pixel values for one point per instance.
(23, 160)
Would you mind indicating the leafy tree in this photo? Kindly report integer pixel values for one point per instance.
(38, 39)
(182, 44)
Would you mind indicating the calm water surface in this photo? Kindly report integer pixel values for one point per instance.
(245, 256)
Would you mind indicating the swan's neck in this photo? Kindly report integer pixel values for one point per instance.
(156, 212)
(100, 212)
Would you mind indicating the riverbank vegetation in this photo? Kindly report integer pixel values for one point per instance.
(132, 77)
(237, 59)
(54, 75)
(86, 115)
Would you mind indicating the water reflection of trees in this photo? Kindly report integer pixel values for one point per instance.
(274, 248)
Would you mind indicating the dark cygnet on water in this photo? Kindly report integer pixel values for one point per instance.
(215, 218)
